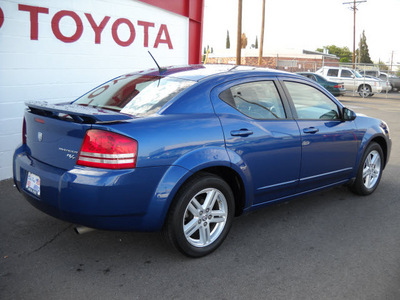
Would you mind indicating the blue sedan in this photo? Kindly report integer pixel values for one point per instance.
(185, 149)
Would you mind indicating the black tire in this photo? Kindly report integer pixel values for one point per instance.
(370, 170)
(206, 225)
(364, 90)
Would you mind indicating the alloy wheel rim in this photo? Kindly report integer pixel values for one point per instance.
(364, 91)
(371, 169)
(205, 217)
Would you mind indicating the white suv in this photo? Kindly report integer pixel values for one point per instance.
(352, 80)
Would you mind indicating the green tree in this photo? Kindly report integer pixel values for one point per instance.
(362, 51)
(228, 41)
(383, 66)
(343, 53)
(244, 41)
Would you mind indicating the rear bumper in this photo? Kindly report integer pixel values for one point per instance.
(338, 92)
(98, 198)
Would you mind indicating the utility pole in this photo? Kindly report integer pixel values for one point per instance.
(354, 8)
(391, 63)
(262, 35)
(239, 35)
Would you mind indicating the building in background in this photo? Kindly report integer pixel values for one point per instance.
(57, 50)
(291, 60)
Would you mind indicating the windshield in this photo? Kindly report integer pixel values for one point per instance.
(138, 95)
(358, 75)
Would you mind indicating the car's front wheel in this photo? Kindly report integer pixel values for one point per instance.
(201, 215)
(370, 171)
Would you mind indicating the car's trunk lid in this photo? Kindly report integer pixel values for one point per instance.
(54, 132)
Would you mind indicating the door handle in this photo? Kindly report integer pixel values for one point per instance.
(242, 132)
(310, 130)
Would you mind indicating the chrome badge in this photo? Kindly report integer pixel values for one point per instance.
(40, 136)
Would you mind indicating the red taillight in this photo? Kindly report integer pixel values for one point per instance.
(104, 149)
(24, 132)
(338, 86)
(41, 121)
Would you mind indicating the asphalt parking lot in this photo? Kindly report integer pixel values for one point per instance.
(330, 245)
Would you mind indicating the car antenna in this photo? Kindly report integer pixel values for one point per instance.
(160, 70)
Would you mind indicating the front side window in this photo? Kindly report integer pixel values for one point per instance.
(310, 103)
(257, 100)
(346, 74)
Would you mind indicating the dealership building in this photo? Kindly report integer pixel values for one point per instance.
(57, 50)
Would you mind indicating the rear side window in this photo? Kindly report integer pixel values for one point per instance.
(320, 78)
(310, 103)
(333, 72)
(258, 100)
(135, 95)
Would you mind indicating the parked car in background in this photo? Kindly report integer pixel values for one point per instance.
(372, 73)
(352, 80)
(183, 150)
(336, 88)
(386, 85)
(393, 79)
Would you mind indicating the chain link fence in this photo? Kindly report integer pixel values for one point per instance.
(296, 65)
(388, 76)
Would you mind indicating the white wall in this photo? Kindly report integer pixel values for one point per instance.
(47, 65)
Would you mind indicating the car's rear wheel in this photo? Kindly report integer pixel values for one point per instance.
(364, 90)
(201, 215)
(370, 171)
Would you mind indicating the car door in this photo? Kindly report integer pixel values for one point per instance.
(329, 144)
(350, 82)
(262, 139)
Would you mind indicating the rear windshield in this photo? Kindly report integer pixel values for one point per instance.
(134, 94)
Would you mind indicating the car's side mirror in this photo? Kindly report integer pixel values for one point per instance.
(348, 114)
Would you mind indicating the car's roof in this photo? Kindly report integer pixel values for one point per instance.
(306, 73)
(200, 72)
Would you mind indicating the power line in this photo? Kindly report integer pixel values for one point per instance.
(354, 8)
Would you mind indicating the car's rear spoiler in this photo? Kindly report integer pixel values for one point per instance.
(76, 113)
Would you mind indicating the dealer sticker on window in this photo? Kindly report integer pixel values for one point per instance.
(33, 184)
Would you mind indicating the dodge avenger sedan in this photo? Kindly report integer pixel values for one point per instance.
(185, 149)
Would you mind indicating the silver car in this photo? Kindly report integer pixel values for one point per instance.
(352, 80)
